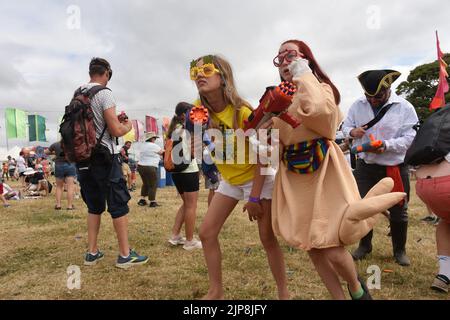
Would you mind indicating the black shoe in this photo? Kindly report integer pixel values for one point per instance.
(428, 219)
(361, 252)
(153, 204)
(142, 203)
(436, 221)
(366, 295)
(364, 248)
(441, 283)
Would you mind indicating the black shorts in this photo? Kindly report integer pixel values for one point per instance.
(186, 182)
(101, 185)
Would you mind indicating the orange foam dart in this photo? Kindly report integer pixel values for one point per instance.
(199, 115)
(372, 145)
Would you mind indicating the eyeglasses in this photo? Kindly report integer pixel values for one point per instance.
(289, 55)
(207, 70)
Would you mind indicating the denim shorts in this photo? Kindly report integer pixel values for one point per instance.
(103, 185)
(64, 170)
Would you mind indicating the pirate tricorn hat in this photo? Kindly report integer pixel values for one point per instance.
(373, 81)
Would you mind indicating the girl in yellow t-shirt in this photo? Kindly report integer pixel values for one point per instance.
(240, 181)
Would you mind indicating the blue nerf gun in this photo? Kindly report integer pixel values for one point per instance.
(372, 145)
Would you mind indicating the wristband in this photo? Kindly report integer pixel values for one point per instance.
(254, 199)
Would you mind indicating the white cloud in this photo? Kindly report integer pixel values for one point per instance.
(150, 45)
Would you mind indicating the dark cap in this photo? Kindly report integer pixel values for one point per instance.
(373, 81)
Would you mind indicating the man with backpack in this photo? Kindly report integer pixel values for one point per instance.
(391, 119)
(99, 175)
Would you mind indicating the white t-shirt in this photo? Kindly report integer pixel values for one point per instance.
(102, 101)
(193, 167)
(11, 164)
(149, 155)
(21, 164)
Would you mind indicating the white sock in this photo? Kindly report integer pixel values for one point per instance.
(444, 265)
(93, 254)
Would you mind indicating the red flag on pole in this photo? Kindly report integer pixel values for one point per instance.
(151, 124)
(439, 98)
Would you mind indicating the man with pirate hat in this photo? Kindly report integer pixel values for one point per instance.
(388, 118)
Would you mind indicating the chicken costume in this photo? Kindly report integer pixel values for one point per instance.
(323, 208)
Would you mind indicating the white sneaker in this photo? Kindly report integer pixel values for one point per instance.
(177, 241)
(191, 245)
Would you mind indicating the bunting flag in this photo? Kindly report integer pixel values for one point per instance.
(135, 134)
(165, 126)
(37, 128)
(439, 98)
(139, 130)
(16, 123)
(151, 125)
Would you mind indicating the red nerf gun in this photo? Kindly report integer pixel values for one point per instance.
(372, 145)
(273, 103)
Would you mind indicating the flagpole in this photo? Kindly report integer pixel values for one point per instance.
(36, 127)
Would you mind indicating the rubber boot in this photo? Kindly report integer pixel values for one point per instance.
(365, 247)
(399, 230)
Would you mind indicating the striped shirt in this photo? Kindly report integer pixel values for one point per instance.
(101, 102)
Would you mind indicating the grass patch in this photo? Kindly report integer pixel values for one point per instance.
(39, 244)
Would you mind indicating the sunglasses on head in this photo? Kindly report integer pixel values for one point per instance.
(207, 70)
(288, 55)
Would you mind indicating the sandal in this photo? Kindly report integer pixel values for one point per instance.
(57, 208)
(71, 208)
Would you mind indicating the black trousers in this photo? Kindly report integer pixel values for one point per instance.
(368, 175)
(149, 176)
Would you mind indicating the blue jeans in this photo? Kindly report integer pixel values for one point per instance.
(64, 170)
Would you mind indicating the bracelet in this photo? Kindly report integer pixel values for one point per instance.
(254, 200)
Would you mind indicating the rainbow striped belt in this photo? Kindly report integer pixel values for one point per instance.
(305, 157)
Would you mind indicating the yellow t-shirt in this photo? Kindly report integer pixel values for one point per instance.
(233, 173)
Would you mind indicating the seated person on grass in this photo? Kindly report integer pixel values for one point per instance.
(35, 182)
(9, 193)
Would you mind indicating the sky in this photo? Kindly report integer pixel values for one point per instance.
(46, 46)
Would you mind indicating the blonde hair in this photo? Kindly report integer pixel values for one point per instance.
(230, 94)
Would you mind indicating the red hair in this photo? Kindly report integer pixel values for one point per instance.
(317, 71)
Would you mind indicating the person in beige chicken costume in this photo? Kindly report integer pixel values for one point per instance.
(316, 204)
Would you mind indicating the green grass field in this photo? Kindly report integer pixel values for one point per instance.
(39, 244)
